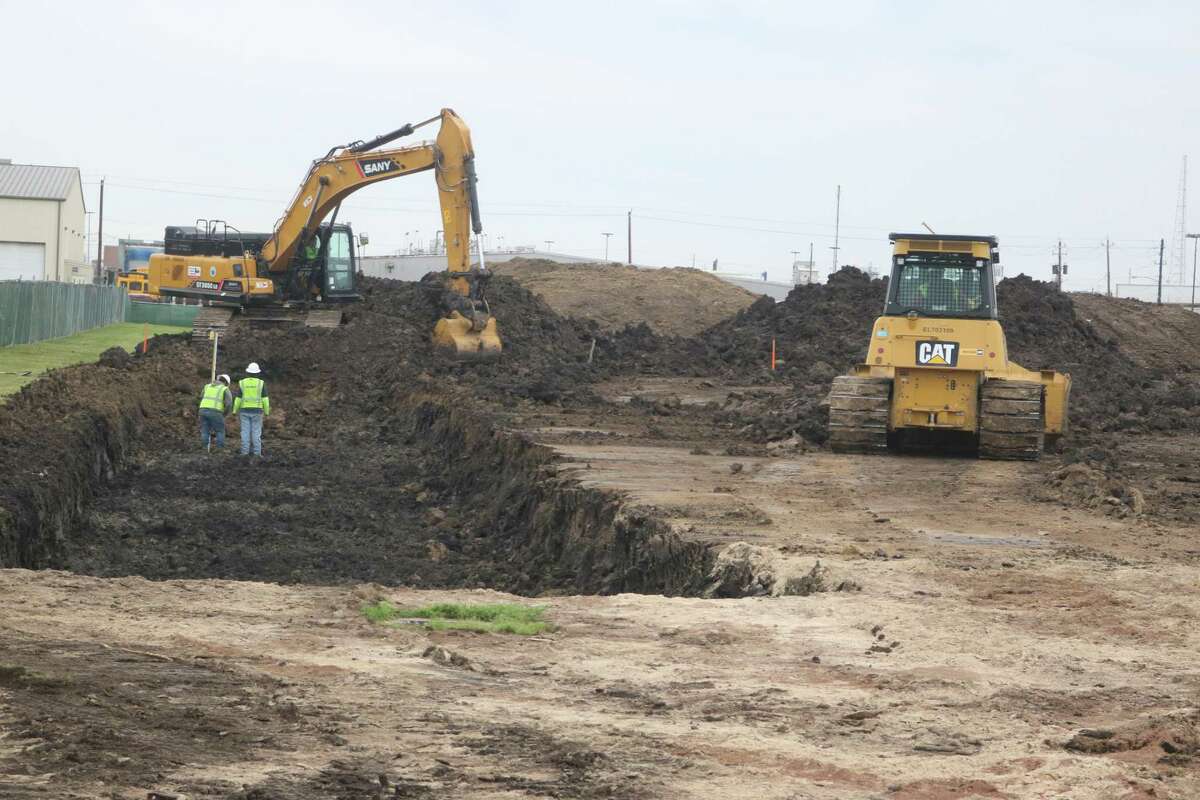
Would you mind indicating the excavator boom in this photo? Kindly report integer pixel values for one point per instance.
(468, 331)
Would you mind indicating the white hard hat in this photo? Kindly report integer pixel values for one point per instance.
(223, 378)
(253, 368)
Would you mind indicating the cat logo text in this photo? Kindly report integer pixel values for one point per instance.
(937, 354)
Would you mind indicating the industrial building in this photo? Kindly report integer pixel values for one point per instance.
(42, 229)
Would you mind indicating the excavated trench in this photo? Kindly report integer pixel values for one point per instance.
(366, 480)
(387, 464)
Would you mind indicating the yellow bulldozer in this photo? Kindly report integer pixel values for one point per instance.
(937, 372)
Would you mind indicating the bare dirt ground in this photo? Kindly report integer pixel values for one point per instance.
(672, 301)
(962, 640)
(909, 627)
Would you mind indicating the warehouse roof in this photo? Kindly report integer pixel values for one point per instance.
(35, 182)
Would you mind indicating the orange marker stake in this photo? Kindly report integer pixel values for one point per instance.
(145, 337)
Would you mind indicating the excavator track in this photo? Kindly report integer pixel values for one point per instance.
(858, 414)
(212, 319)
(1011, 420)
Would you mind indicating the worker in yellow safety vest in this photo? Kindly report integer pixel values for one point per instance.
(215, 402)
(251, 405)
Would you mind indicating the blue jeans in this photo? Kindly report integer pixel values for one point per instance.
(212, 423)
(251, 422)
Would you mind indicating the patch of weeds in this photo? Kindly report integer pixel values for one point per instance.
(485, 618)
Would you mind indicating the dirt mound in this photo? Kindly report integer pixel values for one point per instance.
(115, 357)
(64, 436)
(671, 301)
(821, 330)
(1110, 390)
(1153, 336)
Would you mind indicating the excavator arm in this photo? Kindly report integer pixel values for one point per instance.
(468, 330)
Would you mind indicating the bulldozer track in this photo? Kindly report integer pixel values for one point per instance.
(1011, 420)
(858, 414)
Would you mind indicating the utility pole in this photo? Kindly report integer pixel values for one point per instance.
(100, 236)
(811, 264)
(1162, 243)
(629, 235)
(1060, 267)
(1108, 267)
(606, 237)
(837, 226)
(1195, 237)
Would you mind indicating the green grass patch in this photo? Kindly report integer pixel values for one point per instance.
(81, 348)
(486, 618)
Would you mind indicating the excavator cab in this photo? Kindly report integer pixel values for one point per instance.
(327, 268)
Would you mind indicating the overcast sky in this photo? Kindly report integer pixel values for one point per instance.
(725, 127)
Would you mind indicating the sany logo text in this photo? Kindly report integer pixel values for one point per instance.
(376, 167)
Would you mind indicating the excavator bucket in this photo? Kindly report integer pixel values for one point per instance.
(454, 335)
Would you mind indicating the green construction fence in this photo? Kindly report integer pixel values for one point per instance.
(31, 311)
(162, 314)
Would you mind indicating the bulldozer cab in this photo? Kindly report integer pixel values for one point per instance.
(942, 276)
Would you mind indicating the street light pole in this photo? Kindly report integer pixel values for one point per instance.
(606, 238)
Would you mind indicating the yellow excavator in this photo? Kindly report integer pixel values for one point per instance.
(302, 268)
(136, 282)
(937, 371)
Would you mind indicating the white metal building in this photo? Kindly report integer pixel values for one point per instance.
(42, 229)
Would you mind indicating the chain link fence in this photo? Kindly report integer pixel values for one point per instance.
(162, 314)
(31, 311)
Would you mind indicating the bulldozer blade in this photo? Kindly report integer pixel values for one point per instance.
(454, 335)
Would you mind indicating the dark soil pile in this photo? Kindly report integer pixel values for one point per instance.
(545, 355)
(1110, 390)
(63, 437)
(819, 330)
(822, 330)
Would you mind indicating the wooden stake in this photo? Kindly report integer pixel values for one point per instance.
(145, 338)
(772, 354)
(216, 341)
